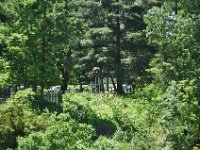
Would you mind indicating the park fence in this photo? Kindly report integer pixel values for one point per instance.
(50, 100)
(4, 94)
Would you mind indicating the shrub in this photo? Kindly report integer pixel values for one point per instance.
(81, 108)
(13, 117)
(18, 119)
(181, 115)
(104, 143)
(63, 133)
(25, 97)
(119, 122)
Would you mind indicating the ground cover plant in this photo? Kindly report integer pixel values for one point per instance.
(88, 121)
(144, 120)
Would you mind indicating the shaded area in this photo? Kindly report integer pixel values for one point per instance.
(86, 115)
(51, 101)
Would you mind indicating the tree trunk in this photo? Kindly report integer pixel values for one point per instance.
(81, 85)
(65, 79)
(34, 74)
(119, 71)
(107, 83)
(34, 86)
(176, 7)
(102, 84)
(44, 52)
(113, 82)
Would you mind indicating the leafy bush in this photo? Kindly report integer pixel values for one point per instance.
(88, 122)
(18, 119)
(181, 116)
(63, 133)
(11, 124)
(104, 143)
(128, 118)
(25, 97)
(80, 107)
(150, 92)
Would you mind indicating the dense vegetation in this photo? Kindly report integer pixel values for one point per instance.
(151, 45)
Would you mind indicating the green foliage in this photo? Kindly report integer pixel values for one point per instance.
(63, 133)
(180, 115)
(25, 97)
(175, 35)
(18, 119)
(12, 124)
(150, 93)
(4, 73)
(175, 32)
(111, 144)
(86, 109)
(46, 43)
(124, 122)
(36, 43)
(88, 121)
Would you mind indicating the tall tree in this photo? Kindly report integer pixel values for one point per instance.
(175, 31)
(117, 41)
(38, 41)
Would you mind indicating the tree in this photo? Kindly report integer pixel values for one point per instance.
(115, 33)
(38, 42)
(175, 31)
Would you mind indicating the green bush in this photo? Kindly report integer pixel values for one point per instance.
(25, 97)
(88, 122)
(81, 108)
(11, 125)
(18, 119)
(123, 121)
(104, 143)
(181, 116)
(62, 133)
(13, 118)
